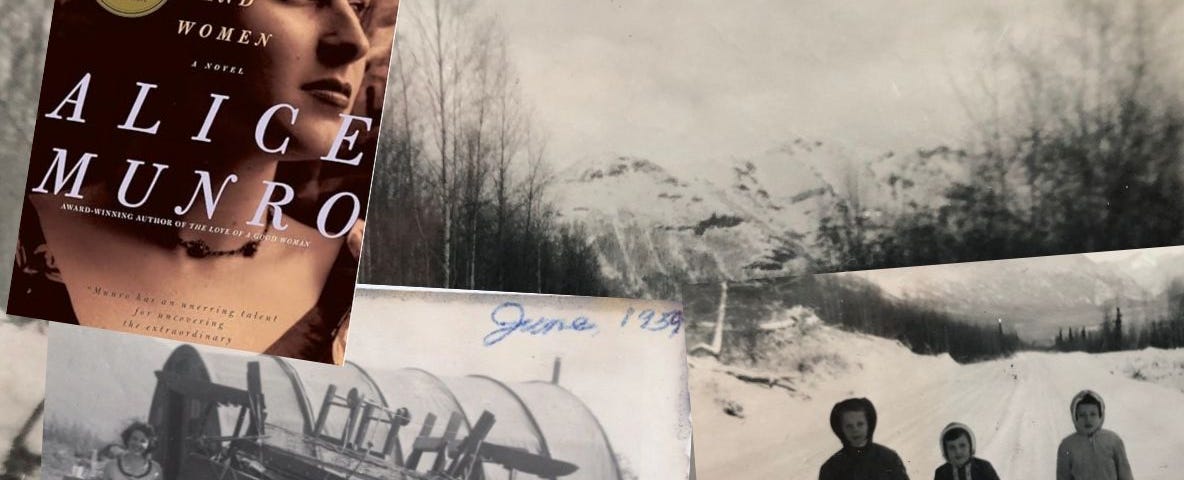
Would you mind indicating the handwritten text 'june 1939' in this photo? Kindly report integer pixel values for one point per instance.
(511, 317)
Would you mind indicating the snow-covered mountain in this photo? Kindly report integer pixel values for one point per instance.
(656, 227)
(1152, 268)
(654, 231)
(1037, 296)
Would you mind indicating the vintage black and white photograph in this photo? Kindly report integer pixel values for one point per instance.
(22, 387)
(438, 385)
(643, 148)
(1054, 367)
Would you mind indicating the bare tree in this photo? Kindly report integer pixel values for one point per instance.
(538, 178)
(509, 129)
(473, 200)
(438, 46)
(1076, 145)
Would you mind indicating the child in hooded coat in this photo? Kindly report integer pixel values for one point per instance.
(854, 421)
(964, 465)
(1092, 452)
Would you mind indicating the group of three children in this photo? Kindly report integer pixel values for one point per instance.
(1091, 453)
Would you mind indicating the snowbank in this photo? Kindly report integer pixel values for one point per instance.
(755, 423)
(1164, 367)
(750, 429)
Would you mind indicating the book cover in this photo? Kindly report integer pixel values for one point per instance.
(200, 169)
(456, 385)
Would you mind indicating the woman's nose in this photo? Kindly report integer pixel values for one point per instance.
(343, 41)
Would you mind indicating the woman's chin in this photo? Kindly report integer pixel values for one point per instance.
(311, 143)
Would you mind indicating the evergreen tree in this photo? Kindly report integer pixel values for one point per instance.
(1118, 345)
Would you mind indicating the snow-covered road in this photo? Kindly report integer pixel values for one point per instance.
(1018, 407)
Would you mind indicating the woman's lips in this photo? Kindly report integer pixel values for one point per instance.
(330, 91)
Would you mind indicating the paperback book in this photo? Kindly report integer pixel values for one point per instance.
(200, 169)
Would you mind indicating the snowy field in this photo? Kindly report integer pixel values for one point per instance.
(22, 381)
(1018, 407)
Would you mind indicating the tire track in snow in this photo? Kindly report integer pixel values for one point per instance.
(1018, 408)
(1027, 444)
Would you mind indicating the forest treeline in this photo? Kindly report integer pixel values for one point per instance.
(1115, 334)
(1084, 153)
(846, 302)
(462, 186)
(863, 307)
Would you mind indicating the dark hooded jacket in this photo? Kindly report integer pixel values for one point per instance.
(870, 462)
(975, 469)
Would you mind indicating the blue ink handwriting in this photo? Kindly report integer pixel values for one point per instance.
(655, 321)
(510, 317)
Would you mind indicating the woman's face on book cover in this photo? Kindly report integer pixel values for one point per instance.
(314, 61)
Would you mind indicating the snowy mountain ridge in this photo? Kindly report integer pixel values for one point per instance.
(1036, 296)
(736, 219)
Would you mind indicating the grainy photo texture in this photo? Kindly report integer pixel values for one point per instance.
(22, 384)
(1054, 367)
(439, 385)
(650, 148)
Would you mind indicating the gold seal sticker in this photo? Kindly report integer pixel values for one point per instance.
(131, 8)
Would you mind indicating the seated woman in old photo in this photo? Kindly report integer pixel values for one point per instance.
(189, 185)
(134, 460)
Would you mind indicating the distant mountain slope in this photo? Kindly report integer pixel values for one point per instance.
(653, 231)
(1035, 295)
(1153, 268)
(737, 219)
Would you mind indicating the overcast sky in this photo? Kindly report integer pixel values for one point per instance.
(900, 282)
(689, 80)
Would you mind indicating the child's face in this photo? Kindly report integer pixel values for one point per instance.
(855, 428)
(958, 451)
(1088, 418)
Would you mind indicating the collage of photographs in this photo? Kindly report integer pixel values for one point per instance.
(563, 240)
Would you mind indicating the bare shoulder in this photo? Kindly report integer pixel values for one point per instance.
(69, 220)
(48, 208)
(307, 237)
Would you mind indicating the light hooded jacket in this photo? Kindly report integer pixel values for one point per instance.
(870, 462)
(1092, 456)
(975, 469)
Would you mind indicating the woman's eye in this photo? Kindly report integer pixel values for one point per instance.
(358, 6)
